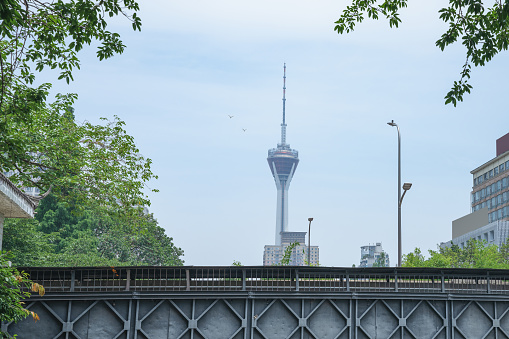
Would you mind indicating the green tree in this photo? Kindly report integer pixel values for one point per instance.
(59, 236)
(14, 287)
(42, 143)
(482, 26)
(84, 163)
(27, 245)
(287, 255)
(476, 254)
(381, 260)
(413, 259)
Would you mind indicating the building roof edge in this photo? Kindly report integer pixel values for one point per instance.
(488, 162)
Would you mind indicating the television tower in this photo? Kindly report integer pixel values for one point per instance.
(283, 162)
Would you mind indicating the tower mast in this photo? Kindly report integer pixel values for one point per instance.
(283, 125)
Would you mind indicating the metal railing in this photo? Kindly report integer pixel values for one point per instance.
(271, 279)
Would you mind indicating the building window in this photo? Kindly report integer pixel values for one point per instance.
(483, 193)
(491, 173)
(496, 170)
(488, 190)
(501, 168)
(492, 236)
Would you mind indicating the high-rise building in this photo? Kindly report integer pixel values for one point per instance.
(374, 255)
(491, 182)
(489, 202)
(273, 254)
(283, 162)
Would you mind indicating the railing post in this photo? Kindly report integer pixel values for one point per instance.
(73, 279)
(297, 280)
(396, 281)
(348, 282)
(488, 286)
(128, 280)
(188, 281)
(443, 281)
(243, 280)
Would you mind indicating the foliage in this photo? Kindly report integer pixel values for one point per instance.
(60, 237)
(481, 26)
(381, 260)
(287, 256)
(42, 143)
(84, 163)
(14, 287)
(476, 254)
(237, 263)
(49, 34)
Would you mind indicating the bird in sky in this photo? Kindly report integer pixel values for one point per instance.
(230, 116)
(244, 129)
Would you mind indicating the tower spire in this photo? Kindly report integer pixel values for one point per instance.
(283, 125)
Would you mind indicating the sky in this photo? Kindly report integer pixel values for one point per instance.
(196, 62)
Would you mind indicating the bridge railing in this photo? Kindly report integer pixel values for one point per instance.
(271, 279)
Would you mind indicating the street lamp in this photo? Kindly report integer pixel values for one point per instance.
(309, 242)
(406, 187)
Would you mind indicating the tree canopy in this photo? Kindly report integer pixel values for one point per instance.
(60, 237)
(476, 254)
(96, 172)
(40, 142)
(482, 26)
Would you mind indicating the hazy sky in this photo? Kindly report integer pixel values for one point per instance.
(195, 62)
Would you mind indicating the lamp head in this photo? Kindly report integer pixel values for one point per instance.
(392, 123)
(406, 186)
(310, 219)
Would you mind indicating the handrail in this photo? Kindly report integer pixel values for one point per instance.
(270, 279)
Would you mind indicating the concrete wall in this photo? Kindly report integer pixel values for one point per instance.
(469, 222)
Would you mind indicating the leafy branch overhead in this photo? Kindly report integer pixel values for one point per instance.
(51, 33)
(482, 27)
(85, 163)
(41, 143)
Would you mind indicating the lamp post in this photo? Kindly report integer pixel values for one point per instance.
(406, 187)
(309, 242)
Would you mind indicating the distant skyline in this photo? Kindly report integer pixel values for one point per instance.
(196, 63)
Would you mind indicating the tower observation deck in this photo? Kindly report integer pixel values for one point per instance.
(283, 162)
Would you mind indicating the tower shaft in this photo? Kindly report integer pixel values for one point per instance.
(283, 162)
